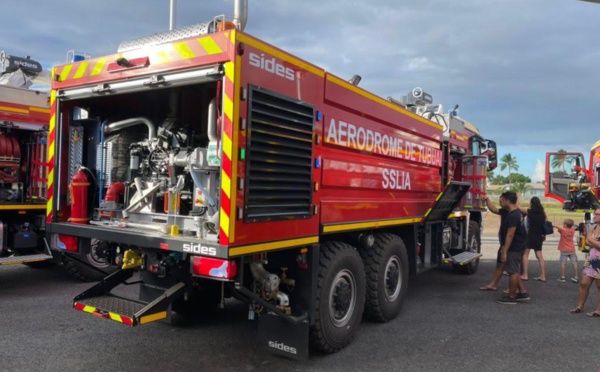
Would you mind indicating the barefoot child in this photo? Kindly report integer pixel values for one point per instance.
(567, 249)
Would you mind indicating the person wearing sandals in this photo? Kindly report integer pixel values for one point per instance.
(512, 244)
(536, 216)
(591, 268)
(567, 250)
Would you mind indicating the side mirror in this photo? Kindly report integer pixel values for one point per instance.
(492, 154)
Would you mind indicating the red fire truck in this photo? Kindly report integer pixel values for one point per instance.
(573, 184)
(24, 116)
(216, 165)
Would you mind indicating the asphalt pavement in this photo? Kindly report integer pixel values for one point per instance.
(447, 324)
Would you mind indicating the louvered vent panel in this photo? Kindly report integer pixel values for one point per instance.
(279, 161)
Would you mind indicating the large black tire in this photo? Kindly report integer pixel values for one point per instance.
(340, 297)
(85, 273)
(473, 245)
(386, 266)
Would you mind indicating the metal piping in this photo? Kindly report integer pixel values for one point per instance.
(240, 14)
(212, 120)
(118, 125)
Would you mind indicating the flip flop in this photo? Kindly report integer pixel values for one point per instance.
(575, 311)
(486, 288)
(540, 280)
(593, 315)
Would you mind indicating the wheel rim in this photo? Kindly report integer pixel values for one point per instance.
(472, 244)
(94, 258)
(393, 278)
(342, 298)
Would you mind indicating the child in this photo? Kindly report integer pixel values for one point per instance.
(567, 249)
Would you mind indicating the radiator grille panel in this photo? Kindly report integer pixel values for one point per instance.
(279, 162)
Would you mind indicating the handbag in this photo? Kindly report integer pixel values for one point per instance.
(548, 229)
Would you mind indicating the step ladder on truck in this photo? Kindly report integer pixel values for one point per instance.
(226, 167)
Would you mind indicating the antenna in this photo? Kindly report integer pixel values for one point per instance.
(172, 14)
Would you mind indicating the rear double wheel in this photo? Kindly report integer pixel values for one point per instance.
(386, 267)
(90, 267)
(340, 297)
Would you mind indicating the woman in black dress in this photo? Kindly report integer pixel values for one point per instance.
(536, 216)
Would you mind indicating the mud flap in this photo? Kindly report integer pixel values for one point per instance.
(283, 337)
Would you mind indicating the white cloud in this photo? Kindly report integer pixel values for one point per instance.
(540, 172)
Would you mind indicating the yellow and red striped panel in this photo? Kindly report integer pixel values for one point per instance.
(228, 165)
(50, 157)
(159, 55)
(112, 316)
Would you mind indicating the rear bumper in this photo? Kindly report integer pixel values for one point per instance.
(140, 238)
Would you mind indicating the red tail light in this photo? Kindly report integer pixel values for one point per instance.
(214, 267)
(67, 242)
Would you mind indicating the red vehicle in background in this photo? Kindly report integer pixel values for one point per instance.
(217, 165)
(574, 185)
(24, 117)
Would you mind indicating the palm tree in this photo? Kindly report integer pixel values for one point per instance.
(520, 187)
(559, 160)
(509, 162)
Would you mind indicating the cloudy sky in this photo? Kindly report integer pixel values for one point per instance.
(526, 72)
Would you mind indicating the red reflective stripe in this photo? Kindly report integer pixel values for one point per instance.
(78, 306)
(127, 321)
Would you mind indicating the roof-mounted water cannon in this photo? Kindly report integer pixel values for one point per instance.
(417, 97)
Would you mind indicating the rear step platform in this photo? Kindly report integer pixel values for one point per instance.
(99, 302)
(463, 258)
(14, 260)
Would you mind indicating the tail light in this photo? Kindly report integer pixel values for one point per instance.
(67, 242)
(214, 267)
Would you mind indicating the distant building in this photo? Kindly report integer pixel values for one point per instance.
(533, 189)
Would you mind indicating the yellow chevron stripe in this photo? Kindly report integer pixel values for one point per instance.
(439, 196)
(81, 69)
(65, 72)
(227, 146)
(153, 317)
(263, 247)
(50, 152)
(427, 213)
(89, 309)
(226, 184)
(229, 71)
(115, 317)
(21, 207)
(224, 221)
(52, 96)
(228, 107)
(98, 67)
(365, 225)
(37, 109)
(236, 130)
(183, 50)
(209, 45)
(12, 109)
(49, 205)
(163, 57)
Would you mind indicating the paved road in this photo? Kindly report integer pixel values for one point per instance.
(447, 324)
